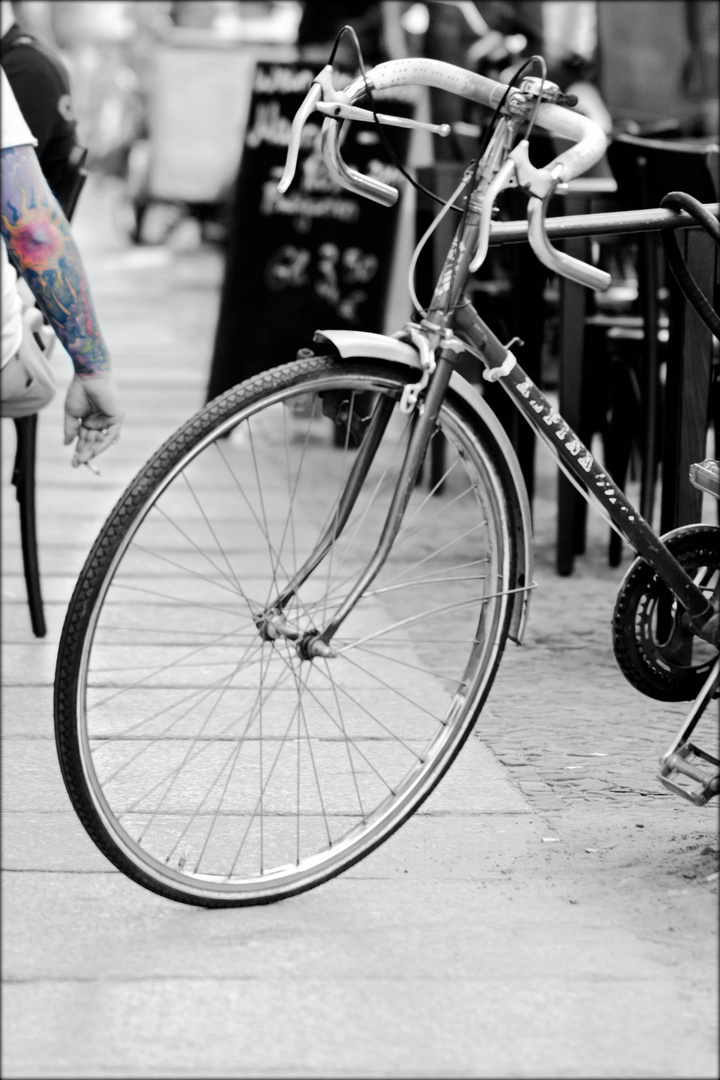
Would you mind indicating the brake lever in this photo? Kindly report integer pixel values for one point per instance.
(322, 97)
(354, 112)
(300, 118)
(321, 90)
(564, 265)
(537, 182)
(541, 185)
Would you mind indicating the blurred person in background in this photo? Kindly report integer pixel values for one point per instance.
(493, 37)
(37, 243)
(570, 44)
(41, 85)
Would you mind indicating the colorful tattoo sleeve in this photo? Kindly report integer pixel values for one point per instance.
(40, 243)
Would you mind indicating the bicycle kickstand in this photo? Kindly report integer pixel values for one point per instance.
(684, 759)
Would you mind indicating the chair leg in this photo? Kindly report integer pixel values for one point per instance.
(623, 429)
(619, 447)
(23, 478)
(648, 282)
(573, 307)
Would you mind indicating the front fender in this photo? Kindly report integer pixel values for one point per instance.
(358, 343)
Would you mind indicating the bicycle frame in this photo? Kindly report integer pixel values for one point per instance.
(578, 462)
(572, 455)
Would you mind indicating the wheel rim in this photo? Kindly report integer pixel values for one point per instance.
(221, 764)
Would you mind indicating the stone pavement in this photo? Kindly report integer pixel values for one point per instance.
(550, 912)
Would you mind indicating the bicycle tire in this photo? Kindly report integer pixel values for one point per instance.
(160, 660)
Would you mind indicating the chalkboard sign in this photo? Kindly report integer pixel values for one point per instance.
(317, 256)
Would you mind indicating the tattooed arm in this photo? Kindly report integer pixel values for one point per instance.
(41, 245)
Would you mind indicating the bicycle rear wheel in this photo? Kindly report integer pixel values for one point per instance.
(206, 758)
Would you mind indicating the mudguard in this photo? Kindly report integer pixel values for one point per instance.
(359, 343)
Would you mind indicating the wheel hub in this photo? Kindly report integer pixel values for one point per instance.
(273, 625)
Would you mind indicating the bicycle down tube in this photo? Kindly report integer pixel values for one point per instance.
(577, 460)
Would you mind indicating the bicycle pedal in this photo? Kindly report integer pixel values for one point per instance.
(705, 475)
(688, 760)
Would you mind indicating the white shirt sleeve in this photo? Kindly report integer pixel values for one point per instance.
(14, 130)
(11, 309)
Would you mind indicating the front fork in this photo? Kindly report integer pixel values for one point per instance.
(317, 643)
(361, 466)
(414, 456)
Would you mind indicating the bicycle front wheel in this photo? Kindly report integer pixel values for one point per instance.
(206, 755)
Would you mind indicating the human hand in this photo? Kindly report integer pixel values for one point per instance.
(93, 414)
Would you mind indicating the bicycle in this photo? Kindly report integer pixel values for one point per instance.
(253, 690)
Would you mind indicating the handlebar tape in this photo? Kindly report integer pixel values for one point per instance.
(589, 137)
